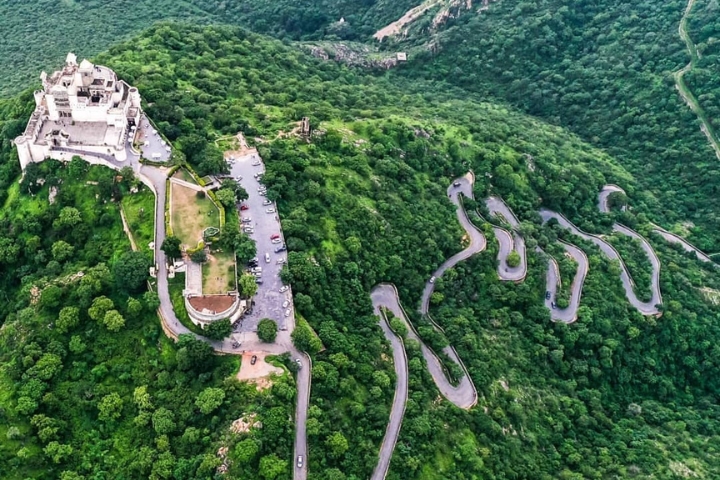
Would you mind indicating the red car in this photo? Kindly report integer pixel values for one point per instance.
(274, 236)
(244, 207)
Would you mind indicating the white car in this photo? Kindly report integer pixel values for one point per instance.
(255, 163)
(267, 258)
(286, 304)
(284, 289)
(238, 178)
(432, 279)
(287, 312)
(276, 240)
(299, 461)
(269, 210)
(263, 193)
(267, 202)
(261, 188)
(280, 261)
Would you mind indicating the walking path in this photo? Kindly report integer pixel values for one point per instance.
(682, 87)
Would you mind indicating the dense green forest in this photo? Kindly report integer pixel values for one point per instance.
(614, 395)
(90, 384)
(34, 39)
(603, 70)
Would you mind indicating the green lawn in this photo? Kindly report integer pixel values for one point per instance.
(219, 273)
(139, 211)
(190, 214)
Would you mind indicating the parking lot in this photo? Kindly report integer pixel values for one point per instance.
(268, 300)
(152, 145)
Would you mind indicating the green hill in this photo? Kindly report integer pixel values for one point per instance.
(614, 395)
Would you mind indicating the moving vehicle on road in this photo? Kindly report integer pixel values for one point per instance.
(432, 279)
(299, 363)
(299, 461)
(547, 295)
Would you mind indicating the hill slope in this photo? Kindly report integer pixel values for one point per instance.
(364, 202)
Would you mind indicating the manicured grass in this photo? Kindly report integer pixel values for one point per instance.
(219, 273)
(190, 215)
(183, 174)
(139, 211)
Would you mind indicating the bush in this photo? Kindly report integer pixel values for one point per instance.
(267, 330)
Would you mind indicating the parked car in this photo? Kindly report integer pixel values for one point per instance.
(547, 295)
(259, 282)
(284, 289)
(246, 220)
(553, 305)
(281, 248)
(267, 257)
(299, 363)
(236, 344)
(244, 207)
(238, 178)
(263, 193)
(261, 188)
(286, 304)
(287, 312)
(280, 261)
(254, 260)
(456, 184)
(269, 210)
(256, 269)
(276, 240)
(274, 236)
(267, 202)
(256, 163)
(253, 359)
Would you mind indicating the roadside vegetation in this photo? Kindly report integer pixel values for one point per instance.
(362, 202)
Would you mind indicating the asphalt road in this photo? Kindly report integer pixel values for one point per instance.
(646, 308)
(569, 314)
(603, 197)
(378, 296)
(268, 299)
(156, 178)
(508, 241)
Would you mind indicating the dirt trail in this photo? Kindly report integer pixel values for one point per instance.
(410, 16)
(682, 87)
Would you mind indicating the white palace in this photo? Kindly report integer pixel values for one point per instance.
(81, 110)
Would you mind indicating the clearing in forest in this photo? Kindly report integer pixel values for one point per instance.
(410, 16)
(191, 212)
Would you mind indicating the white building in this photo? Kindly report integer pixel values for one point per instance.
(82, 110)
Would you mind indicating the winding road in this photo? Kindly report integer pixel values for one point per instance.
(155, 178)
(682, 87)
(568, 314)
(508, 241)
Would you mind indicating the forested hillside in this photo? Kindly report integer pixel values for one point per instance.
(364, 202)
(605, 71)
(38, 35)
